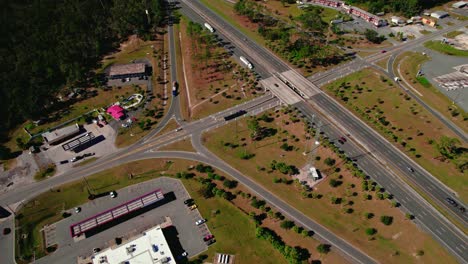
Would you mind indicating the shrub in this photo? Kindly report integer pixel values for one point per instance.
(386, 220)
(409, 216)
(335, 183)
(230, 184)
(323, 248)
(371, 231)
(368, 215)
(287, 224)
(329, 161)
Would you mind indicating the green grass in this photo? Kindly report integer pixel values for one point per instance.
(445, 48)
(423, 81)
(424, 32)
(453, 34)
(87, 161)
(40, 211)
(222, 8)
(45, 172)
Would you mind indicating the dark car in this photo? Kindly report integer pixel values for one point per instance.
(383, 51)
(6, 231)
(208, 237)
(96, 250)
(188, 202)
(211, 241)
(451, 201)
(462, 209)
(343, 139)
(410, 169)
(63, 161)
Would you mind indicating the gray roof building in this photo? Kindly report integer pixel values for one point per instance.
(127, 70)
(439, 14)
(61, 134)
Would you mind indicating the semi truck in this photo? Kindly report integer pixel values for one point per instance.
(209, 27)
(246, 62)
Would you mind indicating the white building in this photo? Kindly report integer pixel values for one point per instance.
(150, 248)
(460, 4)
(439, 14)
(397, 20)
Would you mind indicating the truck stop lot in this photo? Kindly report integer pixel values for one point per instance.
(189, 235)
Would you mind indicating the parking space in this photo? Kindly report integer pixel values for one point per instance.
(189, 235)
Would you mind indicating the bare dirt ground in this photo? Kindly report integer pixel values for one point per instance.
(21, 173)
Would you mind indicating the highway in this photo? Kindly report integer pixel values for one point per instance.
(383, 151)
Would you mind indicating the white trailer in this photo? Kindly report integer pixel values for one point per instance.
(209, 27)
(246, 62)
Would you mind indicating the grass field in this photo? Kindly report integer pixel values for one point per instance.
(409, 126)
(181, 145)
(445, 48)
(212, 87)
(402, 236)
(453, 34)
(410, 63)
(383, 63)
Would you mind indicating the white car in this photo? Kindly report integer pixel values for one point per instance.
(199, 222)
(113, 194)
(77, 209)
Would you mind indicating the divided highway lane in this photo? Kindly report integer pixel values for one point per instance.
(425, 216)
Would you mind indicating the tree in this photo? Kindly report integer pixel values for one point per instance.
(447, 147)
(371, 231)
(373, 36)
(254, 127)
(286, 224)
(230, 184)
(386, 220)
(368, 215)
(335, 183)
(329, 161)
(323, 248)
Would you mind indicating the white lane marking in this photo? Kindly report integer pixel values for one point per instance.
(437, 230)
(424, 213)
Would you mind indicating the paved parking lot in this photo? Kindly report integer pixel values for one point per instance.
(189, 235)
(103, 145)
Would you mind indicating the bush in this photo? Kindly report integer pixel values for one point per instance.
(409, 216)
(330, 162)
(287, 224)
(230, 184)
(386, 220)
(257, 203)
(368, 215)
(371, 231)
(323, 248)
(335, 183)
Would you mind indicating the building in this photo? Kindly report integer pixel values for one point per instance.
(116, 111)
(429, 22)
(150, 248)
(397, 20)
(127, 71)
(460, 4)
(61, 134)
(439, 14)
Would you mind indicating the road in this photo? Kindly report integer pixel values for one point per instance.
(383, 151)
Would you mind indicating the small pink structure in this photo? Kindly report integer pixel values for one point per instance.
(116, 111)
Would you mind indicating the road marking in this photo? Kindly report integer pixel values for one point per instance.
(437, 230)
(424, 213)
(457, 248)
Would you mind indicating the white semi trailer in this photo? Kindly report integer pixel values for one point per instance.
(246, 62)
(209, 27)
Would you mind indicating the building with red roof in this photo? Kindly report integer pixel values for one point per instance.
(116, 111)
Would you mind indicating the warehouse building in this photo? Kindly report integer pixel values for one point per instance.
(61, 134)
(439, 14)
(127, 71)
(460, 4)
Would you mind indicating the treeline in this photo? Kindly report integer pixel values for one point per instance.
(407, 7)
(292, 254)
(49, 44)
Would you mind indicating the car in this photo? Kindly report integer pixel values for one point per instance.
(184, 254)
(73, 159)
(188, 201)
(77, 209)
(410, 169)
(113, 194)
(178, 129)
(96, 250)
(450, 201)
(100, 125)
(211, 241)
(63, 161)
(193, 207)
(6, 231)
(125, 125)
(462, 209)
(200, 221)
(208, 237)
(383, 51)
(343, 139)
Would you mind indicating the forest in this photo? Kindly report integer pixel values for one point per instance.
(407, 7)
(49, 45)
